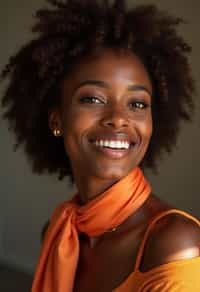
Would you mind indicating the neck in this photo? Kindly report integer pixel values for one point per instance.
(91, 187)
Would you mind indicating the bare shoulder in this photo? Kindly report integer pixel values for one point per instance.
(174, 237)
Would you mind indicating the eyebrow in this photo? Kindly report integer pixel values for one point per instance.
(103, 84)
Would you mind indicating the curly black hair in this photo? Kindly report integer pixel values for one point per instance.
(66, 32)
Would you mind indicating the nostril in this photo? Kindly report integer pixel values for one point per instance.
(116, 122)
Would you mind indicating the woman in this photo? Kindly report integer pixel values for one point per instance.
(95, 97)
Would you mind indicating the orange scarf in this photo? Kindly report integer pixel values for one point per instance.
(59, 256)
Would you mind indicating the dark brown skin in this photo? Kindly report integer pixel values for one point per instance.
(113, 111)
(112, 115)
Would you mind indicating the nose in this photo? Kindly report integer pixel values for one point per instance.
(116, 118)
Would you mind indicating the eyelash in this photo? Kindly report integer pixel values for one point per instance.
(143, 103)
(92, 99)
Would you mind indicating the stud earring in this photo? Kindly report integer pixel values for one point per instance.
(57, 132)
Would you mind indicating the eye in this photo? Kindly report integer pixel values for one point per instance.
(138, 105)
(91, 99)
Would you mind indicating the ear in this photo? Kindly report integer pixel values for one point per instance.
(54, 120)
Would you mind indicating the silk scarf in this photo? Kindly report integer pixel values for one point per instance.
(59, 255)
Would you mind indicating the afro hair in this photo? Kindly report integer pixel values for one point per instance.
(66, 31)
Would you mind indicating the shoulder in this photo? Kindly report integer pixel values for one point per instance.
(173, 237)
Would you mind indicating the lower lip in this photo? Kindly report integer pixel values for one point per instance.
(113, 153)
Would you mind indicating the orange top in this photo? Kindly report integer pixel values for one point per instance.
(177, 276)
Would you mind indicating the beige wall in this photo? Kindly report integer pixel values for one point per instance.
(27, 200)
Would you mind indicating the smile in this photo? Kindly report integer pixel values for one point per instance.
(113, 144)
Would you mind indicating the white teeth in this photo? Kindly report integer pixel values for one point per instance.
(119, 144)
(106, 143)
(113, 144)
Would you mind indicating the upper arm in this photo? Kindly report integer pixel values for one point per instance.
(172, 238)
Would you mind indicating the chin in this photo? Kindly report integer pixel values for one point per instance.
(113, 173)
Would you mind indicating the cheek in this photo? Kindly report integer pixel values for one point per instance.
(79, 118)
(146, 129)
(76, 126)
(150, 128)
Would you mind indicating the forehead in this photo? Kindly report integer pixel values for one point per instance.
(114, 67)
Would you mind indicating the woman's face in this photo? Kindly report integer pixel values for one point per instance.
(106, 115)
